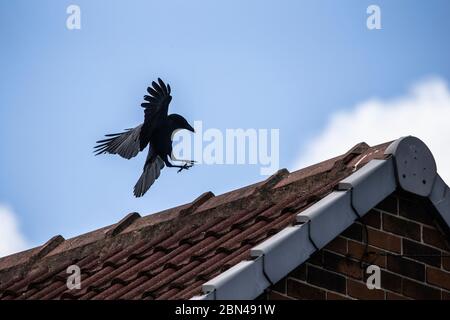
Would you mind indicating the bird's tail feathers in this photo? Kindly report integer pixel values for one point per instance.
(152, 170)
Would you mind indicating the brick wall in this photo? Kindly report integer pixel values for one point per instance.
(404, 240)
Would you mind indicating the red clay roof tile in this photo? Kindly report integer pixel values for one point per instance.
(169, 255)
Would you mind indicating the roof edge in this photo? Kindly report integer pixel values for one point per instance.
(410, 166)
(133, 227)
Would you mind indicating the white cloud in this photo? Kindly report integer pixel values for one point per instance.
(11, 239)
(423, 112)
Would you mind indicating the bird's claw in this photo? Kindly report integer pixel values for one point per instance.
(186, 166)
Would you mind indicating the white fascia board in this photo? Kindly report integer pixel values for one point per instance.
(328, 217)
(284, 251)
(244, 281)
(370, 184)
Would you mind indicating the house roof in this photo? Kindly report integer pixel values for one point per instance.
(203, 249)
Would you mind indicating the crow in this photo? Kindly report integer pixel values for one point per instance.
(156, 132)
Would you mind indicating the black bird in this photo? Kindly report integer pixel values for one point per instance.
(156, 131)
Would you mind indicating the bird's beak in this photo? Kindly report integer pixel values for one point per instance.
(190, 128)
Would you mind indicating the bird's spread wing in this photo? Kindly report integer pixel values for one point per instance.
(126, 144)
(156, 108)
(152, 170)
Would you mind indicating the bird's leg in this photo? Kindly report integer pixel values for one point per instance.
(182, 160)
(186, 166)
(187, 163)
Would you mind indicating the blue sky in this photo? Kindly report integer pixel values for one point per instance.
(231, 64)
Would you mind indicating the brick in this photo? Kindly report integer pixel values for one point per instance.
(445, 295)
(335, 296)
(325, 279)
(274, 295)
(316, 258)
(391, 281)
(420, 252)
(384, 240)
(438, 278)
(342, 265)
(304, 291)
(435, 238)
(406, 267)
(299, 272)
(420, 291)
(354, 232)
(372, 218)
(402, 227)
(390, 204)
(416, 210)
(359, 290)
(394, 296)
(280, 286)
(446, 261)
(338, 245)
(375, 256)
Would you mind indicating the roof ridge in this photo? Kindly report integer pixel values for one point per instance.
(356, 150)
(207, 206)
(44, 250)
(51, 244)
(123, 224)
(194, 205)
(272, 181)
